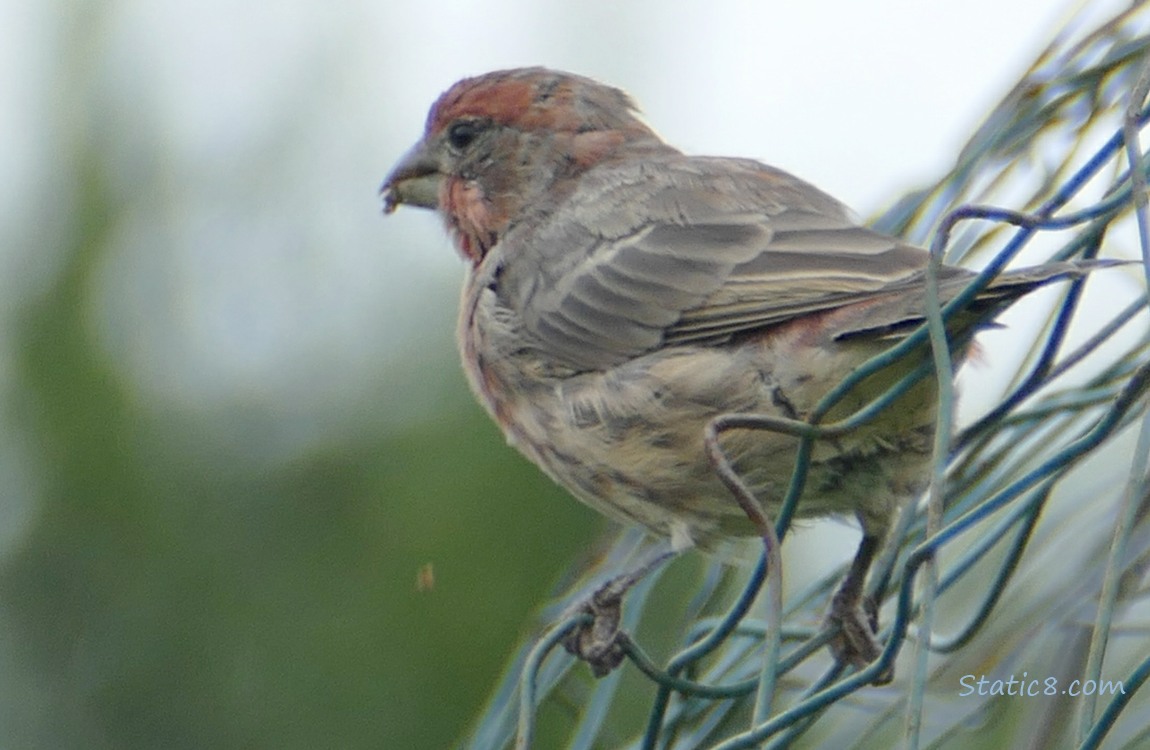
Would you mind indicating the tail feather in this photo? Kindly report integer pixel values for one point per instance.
(905, 307)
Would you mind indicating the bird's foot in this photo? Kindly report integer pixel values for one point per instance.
(600, 642)
(856, 643)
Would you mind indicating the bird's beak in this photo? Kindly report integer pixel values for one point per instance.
(415, 180)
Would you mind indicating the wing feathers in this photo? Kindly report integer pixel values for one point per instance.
(633, 287)
(698, 250)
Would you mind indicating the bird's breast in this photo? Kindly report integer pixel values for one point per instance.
(629, 440)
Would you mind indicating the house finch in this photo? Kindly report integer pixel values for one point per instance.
(620, 295)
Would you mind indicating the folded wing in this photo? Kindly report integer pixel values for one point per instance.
(692, 251)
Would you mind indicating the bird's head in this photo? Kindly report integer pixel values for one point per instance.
(500, 144)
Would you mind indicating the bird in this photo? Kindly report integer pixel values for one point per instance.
(621, 295)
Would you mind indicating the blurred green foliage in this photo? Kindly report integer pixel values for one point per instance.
(175, 591)
(162, 600)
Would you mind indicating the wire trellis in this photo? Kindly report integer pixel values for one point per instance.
(1031, 548)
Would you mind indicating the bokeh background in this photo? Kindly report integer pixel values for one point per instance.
(245, 497)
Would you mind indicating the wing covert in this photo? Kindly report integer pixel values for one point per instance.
(690, 250)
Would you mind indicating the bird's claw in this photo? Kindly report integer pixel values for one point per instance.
(856, 643)
(600, 641)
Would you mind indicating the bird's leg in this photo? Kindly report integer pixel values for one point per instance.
(852, 611)
(600, 642)
(856, 615)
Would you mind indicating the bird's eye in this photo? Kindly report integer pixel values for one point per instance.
(462, 134)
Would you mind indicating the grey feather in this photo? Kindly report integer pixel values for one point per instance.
(694, 250)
